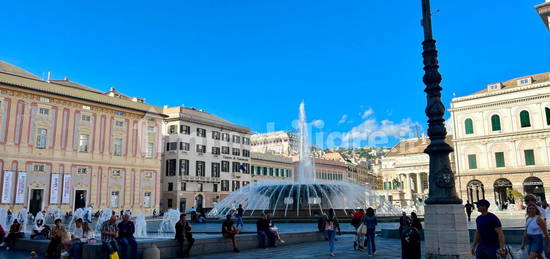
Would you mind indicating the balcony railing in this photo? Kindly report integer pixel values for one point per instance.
(193, 178)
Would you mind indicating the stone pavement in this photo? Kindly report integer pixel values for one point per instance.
(385, 249)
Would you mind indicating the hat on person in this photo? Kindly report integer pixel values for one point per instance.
(483, 203)
(128, 212)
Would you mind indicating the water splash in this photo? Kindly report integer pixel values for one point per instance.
(169, 220)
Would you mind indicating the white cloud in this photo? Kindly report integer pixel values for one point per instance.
(367, 113)
(343, 119)
(318, 123)
(371, 130)
(449, 125)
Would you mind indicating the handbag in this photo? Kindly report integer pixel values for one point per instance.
(362, 229)
(113, 255)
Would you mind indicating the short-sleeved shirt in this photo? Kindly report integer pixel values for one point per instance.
(227, 225)
(240, 212)
(486, 228)
(108, 227)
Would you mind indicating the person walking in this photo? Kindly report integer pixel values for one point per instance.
(468, 208)
(183, 231)
(535, 233)
(489, 238)
(370, 221)
(331, 226)
(239, 217)
(126, 240)
(230, 231)
(360, 229)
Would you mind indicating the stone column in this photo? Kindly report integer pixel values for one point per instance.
(419, 186)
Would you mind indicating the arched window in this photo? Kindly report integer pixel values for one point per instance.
(495, 122)
(469, 126)
(524, 119)
(547, 115)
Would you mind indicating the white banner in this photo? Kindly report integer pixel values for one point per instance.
(7, 186)
(21, 187)
(66, 196)
(54, 189)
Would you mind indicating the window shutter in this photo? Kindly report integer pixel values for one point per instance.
(524, 119)
(499, 158)
(495, 122)
(472, 163)
(529, 157)
(469, 125)
(547, 115)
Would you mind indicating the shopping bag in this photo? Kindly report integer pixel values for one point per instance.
(522, 254)
(362, 229)
(113, 255)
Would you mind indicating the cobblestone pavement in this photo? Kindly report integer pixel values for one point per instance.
(386, 249)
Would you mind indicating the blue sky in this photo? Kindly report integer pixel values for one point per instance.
(252, 62)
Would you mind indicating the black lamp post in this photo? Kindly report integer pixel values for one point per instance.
(441, 180)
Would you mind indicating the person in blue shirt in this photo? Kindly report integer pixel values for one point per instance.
(489, 238)
(370, 221)
(126, 240)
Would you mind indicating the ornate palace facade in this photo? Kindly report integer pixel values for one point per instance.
(66, 145)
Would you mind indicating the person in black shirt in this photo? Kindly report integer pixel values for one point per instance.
(239, 216)
(469, 208)
(126, 238)
(229, 231)
(183, 231)
(262, 227)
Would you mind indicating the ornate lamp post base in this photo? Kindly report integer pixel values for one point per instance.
(446, 232)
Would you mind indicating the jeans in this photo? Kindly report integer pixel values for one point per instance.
(183, 251)
(239, 221)
(109, 247)
(127, 243)
(371, 246)
(75, 250)
(545, 247)
(263, 235)
(483, 252)
(331, 234)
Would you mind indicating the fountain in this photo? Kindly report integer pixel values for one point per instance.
(141, 226)
(169, 220)
(22, 219)
(51, 215)
(103, 216)
(4, 219)
(77, 214)
(306, 196)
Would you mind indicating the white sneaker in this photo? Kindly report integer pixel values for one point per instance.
(282, 241)
(65, 253)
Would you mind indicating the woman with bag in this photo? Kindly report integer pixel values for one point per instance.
(535, 233)
(330, 230)
(360, 229)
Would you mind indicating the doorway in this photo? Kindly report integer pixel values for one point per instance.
(183, 205)
(79, 199)
(35, 202)
(199, 200)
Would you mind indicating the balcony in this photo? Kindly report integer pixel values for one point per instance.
(236, 174)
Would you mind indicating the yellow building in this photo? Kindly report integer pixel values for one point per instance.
(67, 145)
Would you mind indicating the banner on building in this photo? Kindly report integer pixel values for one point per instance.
(54, 189)
(21, 187)
(66, 196)
(7, 186)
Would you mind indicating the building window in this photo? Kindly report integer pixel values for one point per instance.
(38, 167)
(83, 143)
(147, 200)
(171, 167)
(119, 123)
(225, 166)
(215, 150)
(200, 168)
(225, 185)
(184, 146)
(82, 170)
(529, 157)
(235, 185)
(225, 136)
(472, 162)
(215, 187)
(264, 170)
(114, 199)
(150, 129)
(495, 122)
(172, 129)
(118, 147)
(216, 170)
(236, 167)
(185, 129)
(469, 126)
(216, 135)
(225, 150)
(86, 118)
(236, 139)
(41, 138)
(236, 152)
(246, 168)
(171, 146)
(184, 167)
(170, 187)
(201, 132)
(120, 113)
(525, 121)
(499, 159)
(183, 186)
(44, 111)
(277, 172)
(117, 172)
(200, 187)
(246, 141)
(151, 120)
(246, 153)
(547, 110)
(150, 150)
(169, 203)
(270, 171)
(201, 148)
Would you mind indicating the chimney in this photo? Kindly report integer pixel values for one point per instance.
(424, 138)
(112, 89)
(66, 78)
